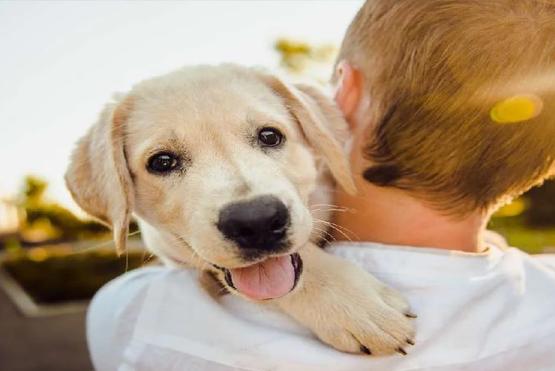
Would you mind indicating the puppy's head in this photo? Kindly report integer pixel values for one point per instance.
(218, 160)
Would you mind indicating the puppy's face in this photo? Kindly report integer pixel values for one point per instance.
(218, 161)
(220, 165)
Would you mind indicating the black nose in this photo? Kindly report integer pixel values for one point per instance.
(258, 224)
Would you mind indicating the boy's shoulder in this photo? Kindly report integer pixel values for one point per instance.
(474, 311)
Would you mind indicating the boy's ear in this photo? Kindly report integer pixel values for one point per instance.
(349, 89)
(321, 123)
(98, 177)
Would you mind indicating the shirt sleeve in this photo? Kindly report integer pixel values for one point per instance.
(117, 313)
(112, 315)
(546, 259)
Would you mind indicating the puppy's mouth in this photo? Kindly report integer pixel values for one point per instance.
(269, 279)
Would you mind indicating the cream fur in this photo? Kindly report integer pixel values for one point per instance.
(209, 115)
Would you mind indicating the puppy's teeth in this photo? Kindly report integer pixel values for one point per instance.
(402, 351)
(365, 350)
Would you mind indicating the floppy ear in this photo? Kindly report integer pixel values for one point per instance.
(98, 177)
(321, 122)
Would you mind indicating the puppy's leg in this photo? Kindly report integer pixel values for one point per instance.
(348, 308)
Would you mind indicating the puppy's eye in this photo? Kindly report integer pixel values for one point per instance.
(270, 137)
(163, 163)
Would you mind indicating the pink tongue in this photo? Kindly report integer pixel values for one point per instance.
(269, 279)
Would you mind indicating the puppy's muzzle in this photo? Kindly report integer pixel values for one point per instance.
(259, 224)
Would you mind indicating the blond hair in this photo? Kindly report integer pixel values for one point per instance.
(434, 70)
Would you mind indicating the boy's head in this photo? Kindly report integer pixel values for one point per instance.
(457, 98)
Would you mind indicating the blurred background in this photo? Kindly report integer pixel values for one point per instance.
(61, 62)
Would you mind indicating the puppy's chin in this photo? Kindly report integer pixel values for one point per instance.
(174, 262)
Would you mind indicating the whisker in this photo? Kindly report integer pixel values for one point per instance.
(146, 259)
(336, 210)
(102, 244)
(330, 205)
(327, 234)
(342, 233)
(345, 230)
(126, 260)
(203, 264)
(342, 230)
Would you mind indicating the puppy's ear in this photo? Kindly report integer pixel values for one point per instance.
(321, 123)
(98, 177)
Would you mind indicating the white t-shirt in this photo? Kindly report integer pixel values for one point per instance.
(485, 312)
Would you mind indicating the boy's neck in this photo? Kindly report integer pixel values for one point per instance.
(391, 216)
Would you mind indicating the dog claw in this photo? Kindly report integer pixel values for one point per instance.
(402, 351)
(365, 350)
(409, 341)
(410, 315)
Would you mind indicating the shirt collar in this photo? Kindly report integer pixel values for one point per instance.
(397, 259)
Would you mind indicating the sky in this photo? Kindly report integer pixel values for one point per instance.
(62, 61)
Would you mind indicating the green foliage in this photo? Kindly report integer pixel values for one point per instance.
(529, 222)
(63, 221)
(541, 212)
(33, 189)
(532, 240)
(45, 220)
(299, 57)
(12, 244)
(67, 277)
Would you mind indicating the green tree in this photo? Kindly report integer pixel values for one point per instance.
(50, 221)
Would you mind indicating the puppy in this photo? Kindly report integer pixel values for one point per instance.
(224, 168)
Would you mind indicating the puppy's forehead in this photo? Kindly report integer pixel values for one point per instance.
(201, 96)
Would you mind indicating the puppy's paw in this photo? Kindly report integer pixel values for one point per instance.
(373, 320)
(349, 309)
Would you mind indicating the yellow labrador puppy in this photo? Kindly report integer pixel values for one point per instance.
(221, 166)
